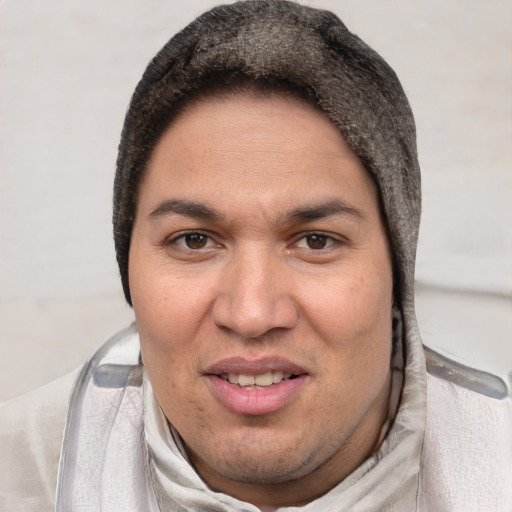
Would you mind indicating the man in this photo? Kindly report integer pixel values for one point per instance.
(266, 211)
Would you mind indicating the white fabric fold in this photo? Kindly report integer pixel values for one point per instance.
(387, 481)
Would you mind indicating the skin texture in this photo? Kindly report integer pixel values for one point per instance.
(269, 272)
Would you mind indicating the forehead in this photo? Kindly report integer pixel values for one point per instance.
(232, 151)
(263, 145)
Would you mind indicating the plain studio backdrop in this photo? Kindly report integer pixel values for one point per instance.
(68, 69)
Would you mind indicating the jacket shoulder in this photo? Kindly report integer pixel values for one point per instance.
(467, 450)
(31, 431)
(478, 381)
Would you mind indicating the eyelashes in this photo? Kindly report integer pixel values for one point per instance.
(193, 240)
(315, 241)
(196, 241)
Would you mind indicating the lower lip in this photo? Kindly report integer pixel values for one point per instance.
(255, 402)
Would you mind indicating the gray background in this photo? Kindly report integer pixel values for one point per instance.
(68, 69)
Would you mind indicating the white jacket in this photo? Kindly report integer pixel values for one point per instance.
(115, 430)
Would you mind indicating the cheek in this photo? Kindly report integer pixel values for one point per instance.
(156, 313)
(352, 314)
(351, 304)
(167, 327)
(165, 305)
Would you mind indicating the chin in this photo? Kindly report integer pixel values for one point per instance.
(262, 472)
(257, 464)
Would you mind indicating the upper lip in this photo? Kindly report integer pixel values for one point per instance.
(245, 366)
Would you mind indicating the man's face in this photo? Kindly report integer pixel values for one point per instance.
(261, 281)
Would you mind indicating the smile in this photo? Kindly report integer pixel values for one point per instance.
(262, 380)
(256, 387)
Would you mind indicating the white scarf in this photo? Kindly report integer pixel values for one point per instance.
(387, 481)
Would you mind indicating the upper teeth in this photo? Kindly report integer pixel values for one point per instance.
(263, 379)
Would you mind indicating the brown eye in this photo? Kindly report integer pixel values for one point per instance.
(316, 241)
(195, 240)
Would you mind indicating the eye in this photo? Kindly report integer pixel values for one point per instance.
(193, 240)
(315, 241)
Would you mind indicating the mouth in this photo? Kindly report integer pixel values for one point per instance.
(260, 381)
(256, 387)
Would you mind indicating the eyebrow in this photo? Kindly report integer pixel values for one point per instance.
(188, 208)
(322, 211)
(296, 215)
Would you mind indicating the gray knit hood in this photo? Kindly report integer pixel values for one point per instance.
(311, 49)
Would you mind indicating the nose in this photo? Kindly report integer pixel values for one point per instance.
(253, 298)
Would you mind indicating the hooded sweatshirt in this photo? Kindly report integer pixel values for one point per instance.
(448, 444)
